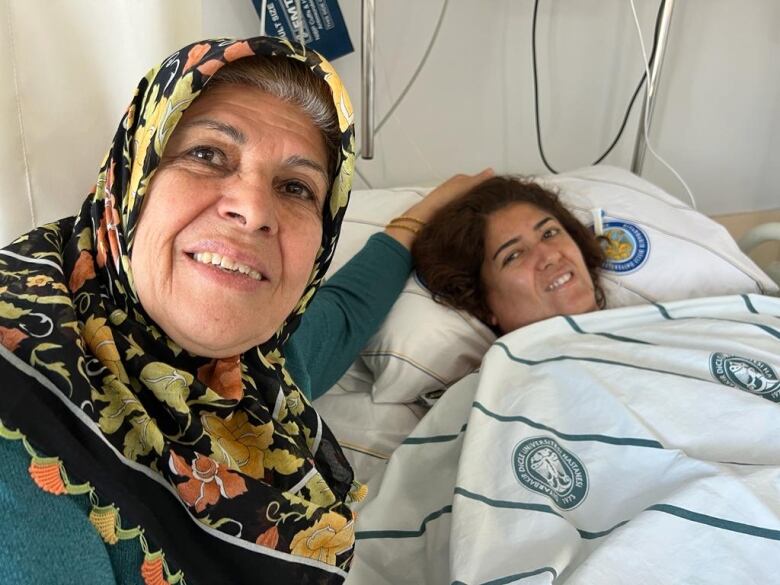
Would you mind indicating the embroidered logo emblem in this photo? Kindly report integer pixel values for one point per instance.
(626, 247)
(749, 375)
(544, 467)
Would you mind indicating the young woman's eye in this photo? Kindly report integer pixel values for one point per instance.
(513, 255)
(551, 232)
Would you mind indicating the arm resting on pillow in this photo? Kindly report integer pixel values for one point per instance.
(345, 313)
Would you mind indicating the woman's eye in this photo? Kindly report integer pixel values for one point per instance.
(549, 233)
(514, 255)
(207, 154)
(297, 189)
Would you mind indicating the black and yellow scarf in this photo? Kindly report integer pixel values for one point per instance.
(224, 466)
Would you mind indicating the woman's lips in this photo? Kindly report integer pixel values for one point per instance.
(226, 263)
(559, 281)
(227, 278)
(230, 256)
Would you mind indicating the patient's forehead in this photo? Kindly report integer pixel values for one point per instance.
(515, 220)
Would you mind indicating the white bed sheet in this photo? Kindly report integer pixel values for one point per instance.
(668, 466)
(368, 432)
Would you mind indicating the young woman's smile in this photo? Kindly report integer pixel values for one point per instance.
(532, 269)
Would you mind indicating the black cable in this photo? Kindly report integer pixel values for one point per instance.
(630, 104)
(638, 87)
(625, 119)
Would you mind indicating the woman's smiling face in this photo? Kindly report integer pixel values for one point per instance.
(532, 269)
(232, 221)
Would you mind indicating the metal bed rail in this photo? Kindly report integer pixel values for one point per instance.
(368, 17)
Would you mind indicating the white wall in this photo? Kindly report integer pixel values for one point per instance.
(69, 67)
(717, 118)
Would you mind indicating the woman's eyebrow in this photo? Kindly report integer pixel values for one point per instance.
(302, 161)
(230, 131)
(540, 223)
(506, 244)
(516, 239)
(238, 137)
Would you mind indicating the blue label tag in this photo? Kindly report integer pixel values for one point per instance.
(323, 25)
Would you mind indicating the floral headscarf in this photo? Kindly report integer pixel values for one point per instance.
(261, 482)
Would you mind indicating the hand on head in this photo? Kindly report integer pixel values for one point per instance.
(404, 230)
(450, 190)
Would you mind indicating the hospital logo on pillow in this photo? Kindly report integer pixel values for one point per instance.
(625, 246)
(749, 375)
(544, 467)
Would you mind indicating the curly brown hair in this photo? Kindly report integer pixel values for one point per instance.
(449, 250)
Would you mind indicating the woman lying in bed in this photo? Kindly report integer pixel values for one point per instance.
(511, 254)
(588, 449)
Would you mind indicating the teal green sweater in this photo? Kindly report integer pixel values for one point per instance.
(346, 311)
(49, 539)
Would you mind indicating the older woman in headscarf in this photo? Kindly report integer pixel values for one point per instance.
(145, 344)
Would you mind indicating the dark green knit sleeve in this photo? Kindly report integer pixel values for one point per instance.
(345, 313)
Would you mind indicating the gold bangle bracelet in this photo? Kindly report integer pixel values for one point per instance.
(403, 227)
(408, 218)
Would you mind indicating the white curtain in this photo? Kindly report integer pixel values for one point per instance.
(68, 70)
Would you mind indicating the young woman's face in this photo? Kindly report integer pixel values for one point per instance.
(532, 269)
(232, 221)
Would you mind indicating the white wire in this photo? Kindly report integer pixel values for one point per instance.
(409, 84)
(400, 125)
(424, 59)
(263, 8)
(645, 122)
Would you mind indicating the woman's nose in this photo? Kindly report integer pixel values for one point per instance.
(250, 204)
(547, 255)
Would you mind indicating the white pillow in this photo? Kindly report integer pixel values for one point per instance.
(671, 252)
(368, 432)
(422, 346)
(663, 249)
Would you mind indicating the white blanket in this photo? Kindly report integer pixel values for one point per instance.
(637, 445)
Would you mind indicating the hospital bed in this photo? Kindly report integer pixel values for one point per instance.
(637, 439)
(633, 444)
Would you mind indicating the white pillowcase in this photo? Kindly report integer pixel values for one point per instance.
(422, 346)
(663, 250)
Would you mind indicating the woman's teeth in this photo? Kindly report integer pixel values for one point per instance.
(559, 282)
(226, 263)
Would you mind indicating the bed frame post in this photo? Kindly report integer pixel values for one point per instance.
(367, 93)
(638, 160)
